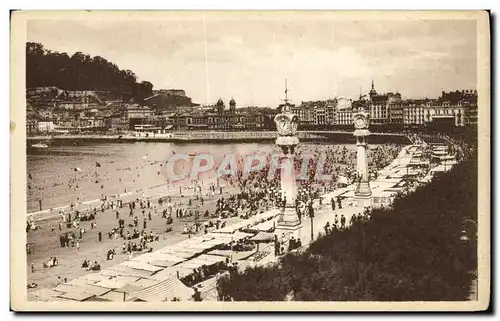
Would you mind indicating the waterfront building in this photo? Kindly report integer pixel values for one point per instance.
(465, 100)
(45, 126)
(316, 113)
(137, 111)
(344, 117)
(31, 126)
(217, 117)
(395, 112)
(439, 111)
(413, 112)
(379, 107)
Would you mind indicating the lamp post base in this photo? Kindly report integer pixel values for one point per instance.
(363, 189)
(288, 225)
(363, 201)
(288, 217)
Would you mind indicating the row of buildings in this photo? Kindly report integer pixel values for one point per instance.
(51, 109)
(457, 108)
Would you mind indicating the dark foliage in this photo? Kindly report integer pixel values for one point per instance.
(81, 72)
(412, 252)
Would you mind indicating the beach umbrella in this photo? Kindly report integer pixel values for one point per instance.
(97, 164)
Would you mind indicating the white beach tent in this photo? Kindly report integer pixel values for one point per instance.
(165, 290)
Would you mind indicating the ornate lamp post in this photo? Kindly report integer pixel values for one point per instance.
(286, 124)
(361, 122)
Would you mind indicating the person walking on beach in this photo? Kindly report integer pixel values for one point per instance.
(197, 295)
(53, 229)
(78, 245)
(145, 224)
(99, 236)
(60, 226)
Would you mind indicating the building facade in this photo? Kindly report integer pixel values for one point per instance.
(414, 112)
(45, 126)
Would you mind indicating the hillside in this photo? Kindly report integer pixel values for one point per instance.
(46, 68)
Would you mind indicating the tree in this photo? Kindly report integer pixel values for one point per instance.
(81, 72)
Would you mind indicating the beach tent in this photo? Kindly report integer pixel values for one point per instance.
(141, 266)
(173, 271)
(189, 265)
(111, 284)
(109, 273)
(77, 296)
(166, 290)
(144, 283)
(211, 258)
(143, 257)
(266, 226)
(237, 235)
(63, 288)
(240, 235)
(44, 295)
(95, 277)
(79, 282)
(183, 253)
(127, 289)
(124, 270)
(126, 279)
(167, 256)
(135, 273)
(206, 245)
(93, 289)
(441, 168)
(262, 237)
(112, 296)
(163, 263)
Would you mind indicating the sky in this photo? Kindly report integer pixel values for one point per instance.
(248, 56)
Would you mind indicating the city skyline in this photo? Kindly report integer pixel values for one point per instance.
(248, 57)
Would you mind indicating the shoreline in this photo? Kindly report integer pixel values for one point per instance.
(215, 137)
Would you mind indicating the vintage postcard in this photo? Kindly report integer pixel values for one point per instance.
(250, 160)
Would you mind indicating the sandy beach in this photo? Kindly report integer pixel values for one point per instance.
(45, 244)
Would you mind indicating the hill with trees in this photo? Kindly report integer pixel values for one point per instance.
(46, 68)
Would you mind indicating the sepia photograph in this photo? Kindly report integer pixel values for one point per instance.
(250, 160)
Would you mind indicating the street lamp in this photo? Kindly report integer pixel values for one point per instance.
(465, 238)
(311, 215)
